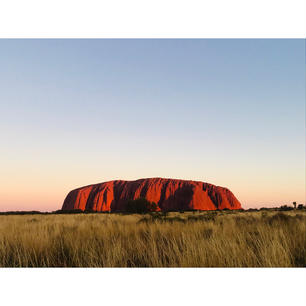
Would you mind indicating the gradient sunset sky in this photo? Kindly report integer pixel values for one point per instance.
(77, 112)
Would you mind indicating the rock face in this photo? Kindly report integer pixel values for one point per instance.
(168, 194)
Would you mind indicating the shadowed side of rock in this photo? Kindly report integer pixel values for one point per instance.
(168, 194)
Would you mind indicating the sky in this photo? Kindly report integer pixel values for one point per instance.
(77, 112)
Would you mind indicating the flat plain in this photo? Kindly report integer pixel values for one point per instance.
(189, 239)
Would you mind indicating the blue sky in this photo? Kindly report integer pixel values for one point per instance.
(75, 112)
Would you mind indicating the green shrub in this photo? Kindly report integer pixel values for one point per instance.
(141, 206)
(285, 208)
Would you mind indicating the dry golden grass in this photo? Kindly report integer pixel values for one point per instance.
(205, 239)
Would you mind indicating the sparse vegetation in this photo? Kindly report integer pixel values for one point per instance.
(192, 239)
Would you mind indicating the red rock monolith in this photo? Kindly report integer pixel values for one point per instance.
(168, 194)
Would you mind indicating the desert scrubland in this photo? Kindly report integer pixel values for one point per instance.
(189, 239)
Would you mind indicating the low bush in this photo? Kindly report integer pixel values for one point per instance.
(285, 208)
(141, 206)
(71, 211)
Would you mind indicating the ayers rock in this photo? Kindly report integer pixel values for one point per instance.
(168, 194)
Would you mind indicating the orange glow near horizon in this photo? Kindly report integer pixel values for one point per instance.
(49, 195)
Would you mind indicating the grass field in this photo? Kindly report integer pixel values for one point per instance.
(190, 239)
